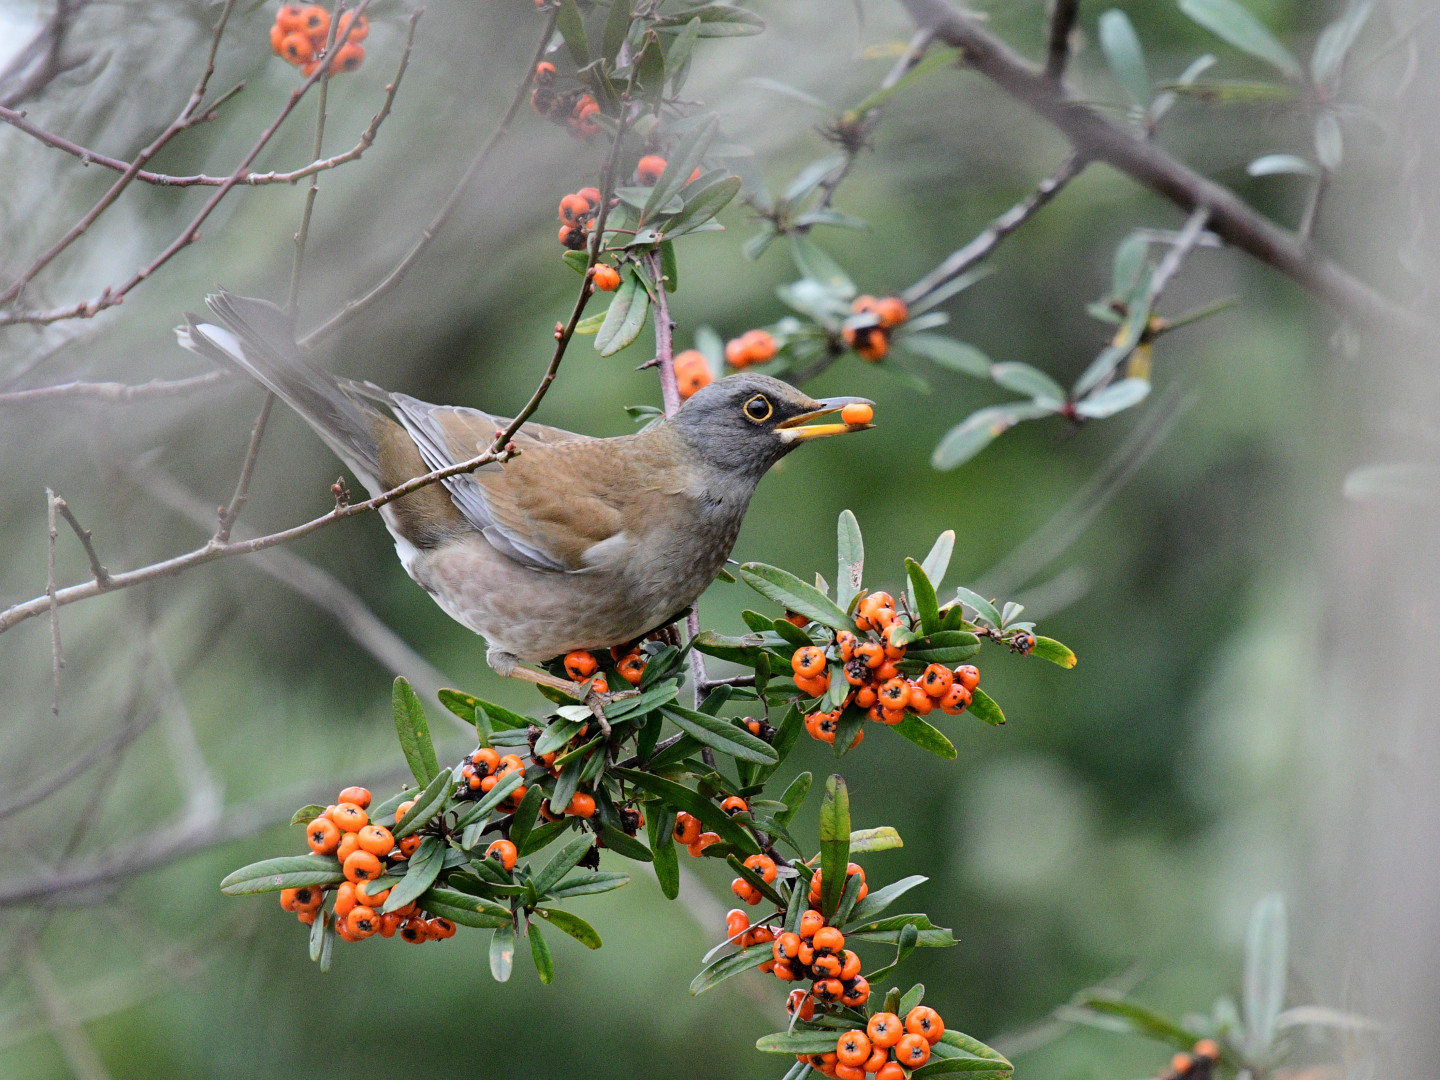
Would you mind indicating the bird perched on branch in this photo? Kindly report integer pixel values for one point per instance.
(573, 543)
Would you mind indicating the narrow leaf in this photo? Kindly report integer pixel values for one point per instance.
(571, 924)
(1228, 20)
(721, 735)
(834, 842)
(287, 872)
(789, 591)
(926, 736)
(414, 732)
(983, 706)
(502, 953)
(540, 953)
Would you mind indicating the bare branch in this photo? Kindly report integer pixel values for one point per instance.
(1094, 137)
(1057, 35)
(75, 1045)
(397, 275)
(231, 510)
(1184, 244)
(57, 660)
(113, 392)
(980, 248)
(303, 233)
(43, 60)
(101, 574)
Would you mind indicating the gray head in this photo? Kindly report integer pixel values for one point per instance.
(745, 423)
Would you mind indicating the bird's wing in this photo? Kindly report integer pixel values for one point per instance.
(549, 508)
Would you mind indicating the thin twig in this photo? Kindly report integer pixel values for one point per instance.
(57, 661)
(44, 57)
(397, 275)
(100, 573)
(231, 510)
(111, 392)
(1312, 205)
(1057, 35)
(250, 179)
(87, 309)
(989, 238)
(180, 123)
(303, 233)
(75, 1045)
(735, 680)
(1184, 244)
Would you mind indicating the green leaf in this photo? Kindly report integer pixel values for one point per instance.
(588, 885)
(877, 900)
(572, 29)
(525, 815)
(684, 159)
(955, 285)
(1328, 60)
(980, 429)
(786, 589)
(1273, 164)
(974, 1068)
(681, 47)
(889, 930)
(287, 872)
(1050, 649)
(939, 58)
(946, 647)
(540, 953)
(464, 909)
(961, 1041)
(703, 205)
(1329, 144)
(834, 842)
(806, 181)
(983, 608)
(717, 20)
(651, 698)
(737, 650)
(421, 870)
(557, 735)
(327, 944)
(475, 815)
(922, 592)
(1266, 959)
(625, 845)
(561, 864)
(850, 548)
(625, 317)
(428, 804)
(847, 900)
(938, 561)
(317, 933)
(414, 732)
(1125, 56)
(502, 952)
(728, 966)
(541, 836)
(591, 323)
(683, 798)
(1100, 1007)
(794, 797)
(798, 1042)
(465, 706)
(925, 736)
(1228, 20)
(884, 838)
(1115, 398)
(617, 28)
(983, 706)
(720, 734)
(648, 70)
(949, 354)
(1024, 379)
(571, 924)
(814, 263)
(306, 814)
(660, 824)
(1128, 263)
(912, 997)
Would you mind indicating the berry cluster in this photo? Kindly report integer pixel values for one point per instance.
(629, 663)
(577, 214)
(751, 347)
(366, 851)
(575, 109)
(870, 664)
(886, 1047)
(299, 35)
(1199, 1064)
(692, 372)
(867, 331)
(690, 833)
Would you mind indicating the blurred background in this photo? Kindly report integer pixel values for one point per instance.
(1250, 708)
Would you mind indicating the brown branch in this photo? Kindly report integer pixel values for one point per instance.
(1057, 35)
(183, 121)
(69, 1034)
(250, 179)
(57, 660)
(989, 238)
(1095, 137)
(87, 309)
(397, 275)
(100, 573)
(48, 48)
(303, 234)
(231, 510)
(112, 392)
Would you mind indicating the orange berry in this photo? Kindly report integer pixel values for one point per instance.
(857, 413)
(290, 18)
(811, 921)
(759, 345)
(350, 817)
(846, 642)
(572, 237)
(358, 795)
(350, 57)
(362, 921)
(297, 48)
(389, 924)
(375, 839)
(649, 170)
(357, 35)
(955, 700)
(849, 965)
(1207, 1048)
(704, 840)
(920, 702)
(408, 845)
(895, 694)
(572, 208)
(762, 865)
(323, 836)
(891, 312)
(831, 990)
(936, 681)
(857, 991)
(349, 844)
(736, 922)
(365, 896)
(306, 917)
(733, 804)
(590, 195)
(853, 1048)
(969, 676)
(287, 899)
(826, 966)
(871, 653)
(692, 373)
(580, 665)
(632, 668)
(891, 1070)
(581, 806)
(414, 931)
(893, 649)
(912, 1051)
(344, 899)
(606, 278)
(925, 1021)
(1181, 1064)
(403, 809)
(885, 672)
(362, 866)
(440, 929)
(876, 1061)
(802, 1001)
(745, 891)
(687, 828)
(277, 35)
(544, 73)
(829, 940)
(736, 354)
(809, 661)
(503, 851)
(786, 946)
(815, 687)
(316, 22)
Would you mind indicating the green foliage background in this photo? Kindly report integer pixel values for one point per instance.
(1130, 812)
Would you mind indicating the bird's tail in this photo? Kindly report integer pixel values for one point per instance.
(256, 338)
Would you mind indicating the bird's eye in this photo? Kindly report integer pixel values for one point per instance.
(759, 409)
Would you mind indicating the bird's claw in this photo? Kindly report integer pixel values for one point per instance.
(597, 700)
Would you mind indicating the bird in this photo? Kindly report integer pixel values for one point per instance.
(575, 542)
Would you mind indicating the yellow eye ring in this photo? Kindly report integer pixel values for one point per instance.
(753, 407)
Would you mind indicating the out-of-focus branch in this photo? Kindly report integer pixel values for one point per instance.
(86, 540)
(397, 275)
(1095, 137)
(57, 659)
(114, 392)
(74, 1044)
(989, 238)
(43, 60)
(249, 179)
(1057, 38)
(87, 309)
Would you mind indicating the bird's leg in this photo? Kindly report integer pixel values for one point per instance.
(508, 666)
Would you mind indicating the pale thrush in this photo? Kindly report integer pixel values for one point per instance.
(574, 543)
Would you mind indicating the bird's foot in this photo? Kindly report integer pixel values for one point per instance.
(597, 700)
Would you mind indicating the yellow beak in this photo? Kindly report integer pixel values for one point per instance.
(792, 430)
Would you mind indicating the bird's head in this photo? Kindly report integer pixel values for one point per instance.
(745, 423)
